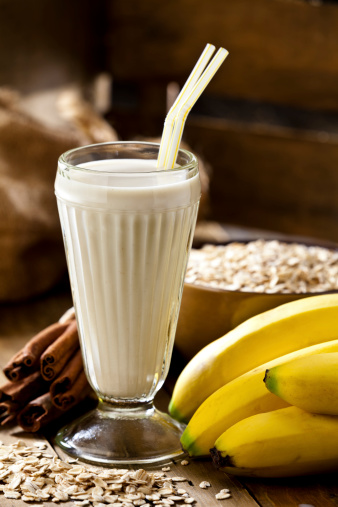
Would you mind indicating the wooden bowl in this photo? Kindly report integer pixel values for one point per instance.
(208, 313)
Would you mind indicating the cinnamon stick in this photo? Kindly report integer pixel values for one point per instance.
(24, 390)
(38, 413)
(66, 380)
(56, 350)
(58, 353)
(8, 407)
(8, 410)
(27, 360)
(17, 373)
(8, 419)
(67, 392)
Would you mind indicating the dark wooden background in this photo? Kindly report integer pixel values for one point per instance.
(268, 122)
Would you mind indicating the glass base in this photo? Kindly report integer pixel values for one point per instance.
(112, 435)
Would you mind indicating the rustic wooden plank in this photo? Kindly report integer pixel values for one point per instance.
(281, 52)
(276, 179)
(11, 434)
(198, 471)
(36, 56)
(308, 491)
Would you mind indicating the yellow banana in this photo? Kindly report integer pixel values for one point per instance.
(310, 383)
(283, 443)
(264, 337)
(239, 399)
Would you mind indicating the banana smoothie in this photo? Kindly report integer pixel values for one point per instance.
(127, 229)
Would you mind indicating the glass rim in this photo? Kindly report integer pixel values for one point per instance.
(191, 164)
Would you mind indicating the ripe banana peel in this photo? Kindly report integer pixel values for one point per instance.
(310, 383)
(286, 442)
(241, 398)
(271, 334)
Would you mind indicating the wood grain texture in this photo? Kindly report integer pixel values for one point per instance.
(276, 179)
(280, 51)
(316, 491)
(198, 471)
(48, 44)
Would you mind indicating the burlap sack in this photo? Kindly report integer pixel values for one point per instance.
(32, 257)
(31, 251)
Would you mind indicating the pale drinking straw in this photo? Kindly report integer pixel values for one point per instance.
(186, 90)
(173, 129)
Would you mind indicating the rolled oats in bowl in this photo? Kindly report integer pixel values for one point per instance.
(272, 267)
(226, 285)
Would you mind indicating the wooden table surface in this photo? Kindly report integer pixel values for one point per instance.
(19, 322)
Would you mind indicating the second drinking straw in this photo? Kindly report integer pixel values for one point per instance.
(192, 90)
(169, 122)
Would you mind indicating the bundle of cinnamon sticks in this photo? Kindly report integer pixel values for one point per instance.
(46, 378)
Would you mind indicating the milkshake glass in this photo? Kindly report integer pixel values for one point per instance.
(127, 227)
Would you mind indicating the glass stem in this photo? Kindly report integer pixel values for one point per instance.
(132, 409)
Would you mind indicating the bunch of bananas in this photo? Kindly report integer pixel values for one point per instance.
(264, 397)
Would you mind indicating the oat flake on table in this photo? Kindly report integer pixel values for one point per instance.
(264, 266)
(29, 473)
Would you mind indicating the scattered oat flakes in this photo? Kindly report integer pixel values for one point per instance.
(185, 462)
(12, 494)
(33, 476)
(223, 494)
(40, 445)
(165, 469)
(205, 485)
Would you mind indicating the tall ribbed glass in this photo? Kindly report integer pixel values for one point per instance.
(127, 229)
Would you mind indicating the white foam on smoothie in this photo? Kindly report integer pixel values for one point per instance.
(111, 184)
